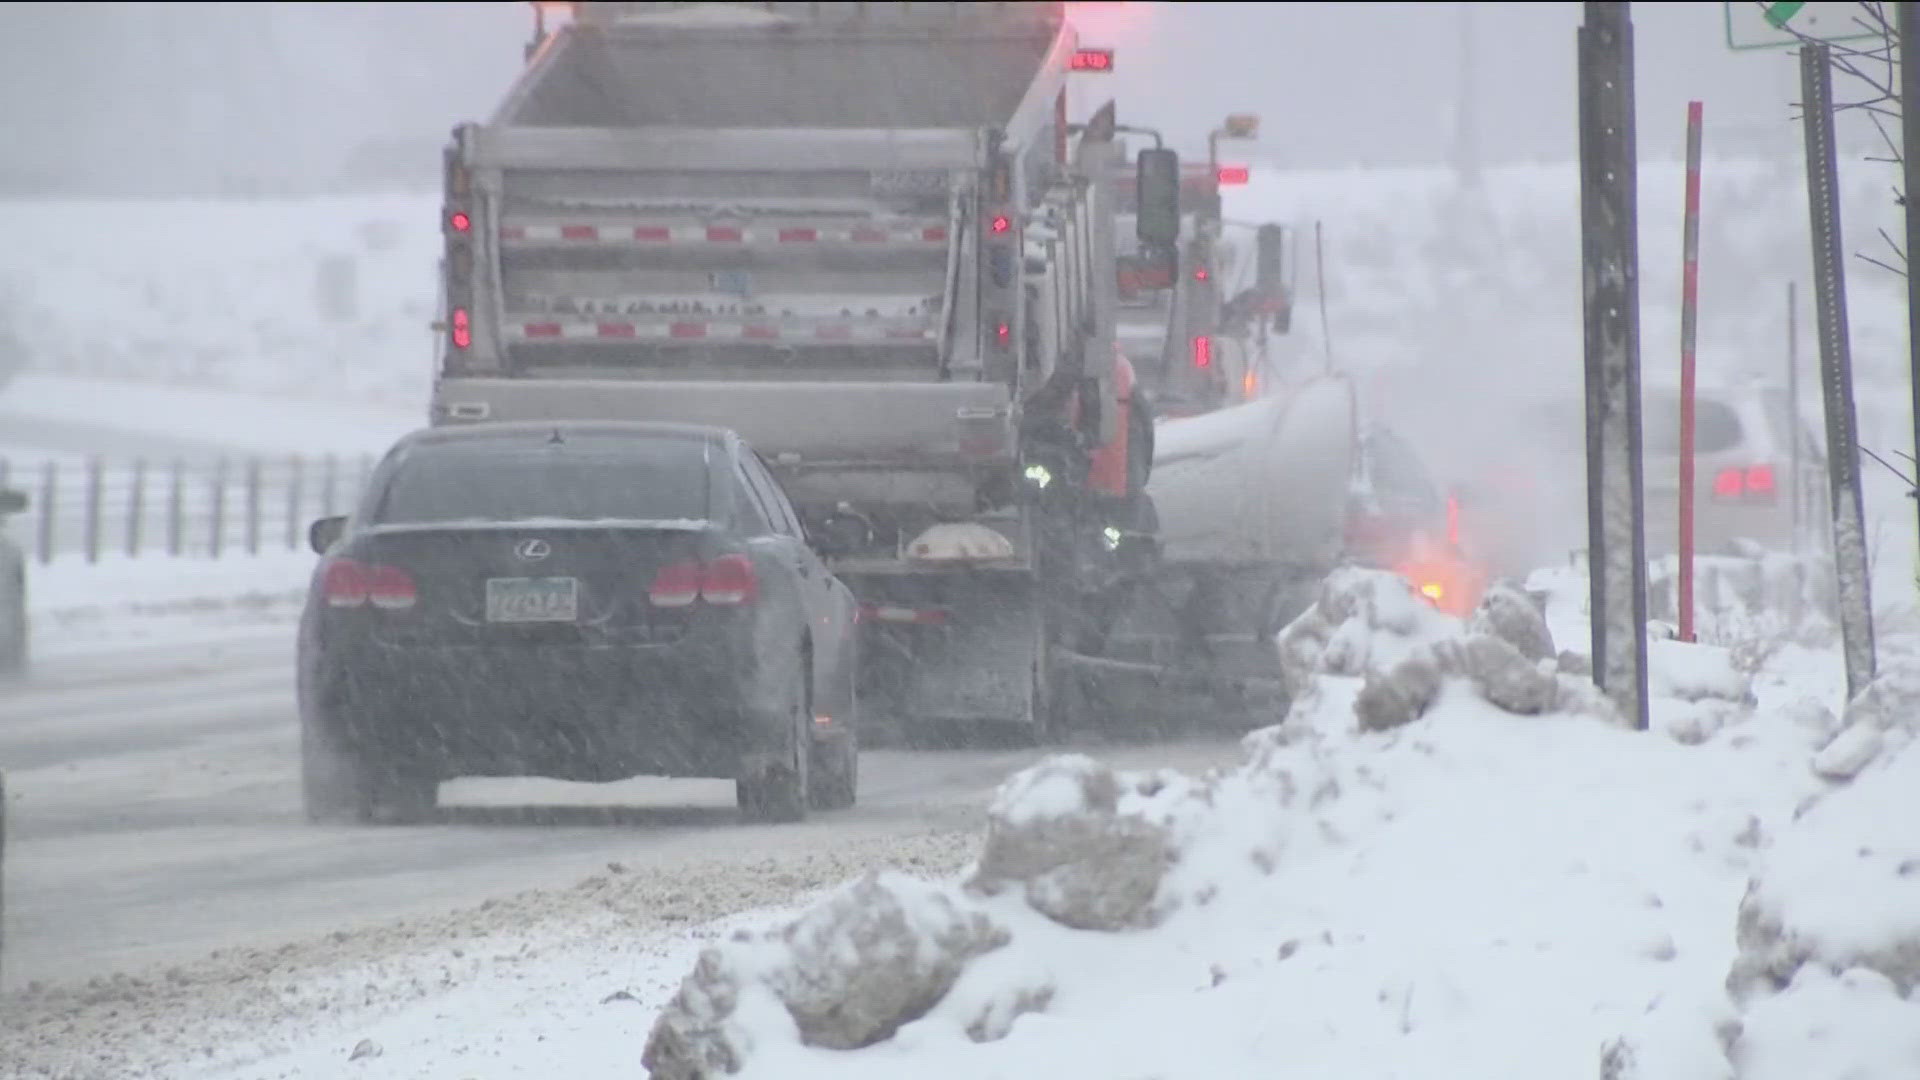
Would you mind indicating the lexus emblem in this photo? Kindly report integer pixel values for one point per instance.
(533, 550)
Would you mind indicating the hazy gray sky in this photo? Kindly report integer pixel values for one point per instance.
(177, 97)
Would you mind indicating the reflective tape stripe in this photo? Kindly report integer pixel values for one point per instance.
(681, 330)
(894, 233)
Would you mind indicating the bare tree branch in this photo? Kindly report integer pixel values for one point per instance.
(1874, 63)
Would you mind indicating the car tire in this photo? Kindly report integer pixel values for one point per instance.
(329, 789)
(779, 794)
(834, 776)
(396, 795)
(337, 786)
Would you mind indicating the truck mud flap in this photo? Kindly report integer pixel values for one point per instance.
(1181, 649)
(956, 661)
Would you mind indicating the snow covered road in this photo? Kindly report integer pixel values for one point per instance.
(154, 816)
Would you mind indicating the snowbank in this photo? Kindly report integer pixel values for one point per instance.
(311, 299)
(78, 607)
(1829, 929)
(239, 420)
(72, 588)
(1476, 893)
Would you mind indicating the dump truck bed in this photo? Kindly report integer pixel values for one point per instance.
(961, 73)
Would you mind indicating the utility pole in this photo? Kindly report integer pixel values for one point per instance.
(1907, 20)
(1466, 140)
(1836, 367)
(1610, 252)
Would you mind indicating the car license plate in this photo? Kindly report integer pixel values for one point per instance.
(528, 600)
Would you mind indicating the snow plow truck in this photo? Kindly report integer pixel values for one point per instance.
(867, 237)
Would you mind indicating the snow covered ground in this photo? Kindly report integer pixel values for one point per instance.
(76, 607)
(1474, 893)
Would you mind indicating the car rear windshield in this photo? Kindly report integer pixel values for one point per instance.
(656, 479)
(1716, 425)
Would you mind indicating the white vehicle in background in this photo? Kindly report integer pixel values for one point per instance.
(13, 590)
(1531, 507)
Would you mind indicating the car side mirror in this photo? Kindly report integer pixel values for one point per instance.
(11, 501)
(324, 533)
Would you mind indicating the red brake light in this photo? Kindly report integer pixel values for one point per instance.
(1200, 273)
(1091, 60)
(675, 586)
(1232, 175)
(1003, 335)
(1753, 482)
(460, 221)
(730, 580)
(1000, 225)
(462, 328)
(345, 583)
(1203, 351)
(349, 583)
(726, 581)
(390, 588)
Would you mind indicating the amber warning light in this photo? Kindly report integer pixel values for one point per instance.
(1091, 60)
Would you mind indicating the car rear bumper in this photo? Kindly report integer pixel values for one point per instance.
(570, 712)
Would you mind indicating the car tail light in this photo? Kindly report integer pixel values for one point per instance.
(391, 588)
(348, 583)
(676, 586)
(1755, 483)
(345, 583)
(729, 580)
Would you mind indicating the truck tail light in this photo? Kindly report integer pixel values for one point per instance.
(462, 325)
(1203, 351)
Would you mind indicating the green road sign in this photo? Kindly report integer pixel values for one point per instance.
(1760, 24)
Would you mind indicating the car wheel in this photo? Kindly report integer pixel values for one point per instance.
(780, 794)
(834, 779)
(327, 784)
(395, 794)
(336, 786)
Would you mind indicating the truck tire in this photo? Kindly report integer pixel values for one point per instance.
(779, 794)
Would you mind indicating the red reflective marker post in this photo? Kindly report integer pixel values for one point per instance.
(1689, 324)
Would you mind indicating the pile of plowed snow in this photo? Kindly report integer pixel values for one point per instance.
(1451, 859)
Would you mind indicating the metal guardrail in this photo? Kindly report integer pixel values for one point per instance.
(88, 507)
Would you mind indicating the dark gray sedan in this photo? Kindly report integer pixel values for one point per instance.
(579, 600)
